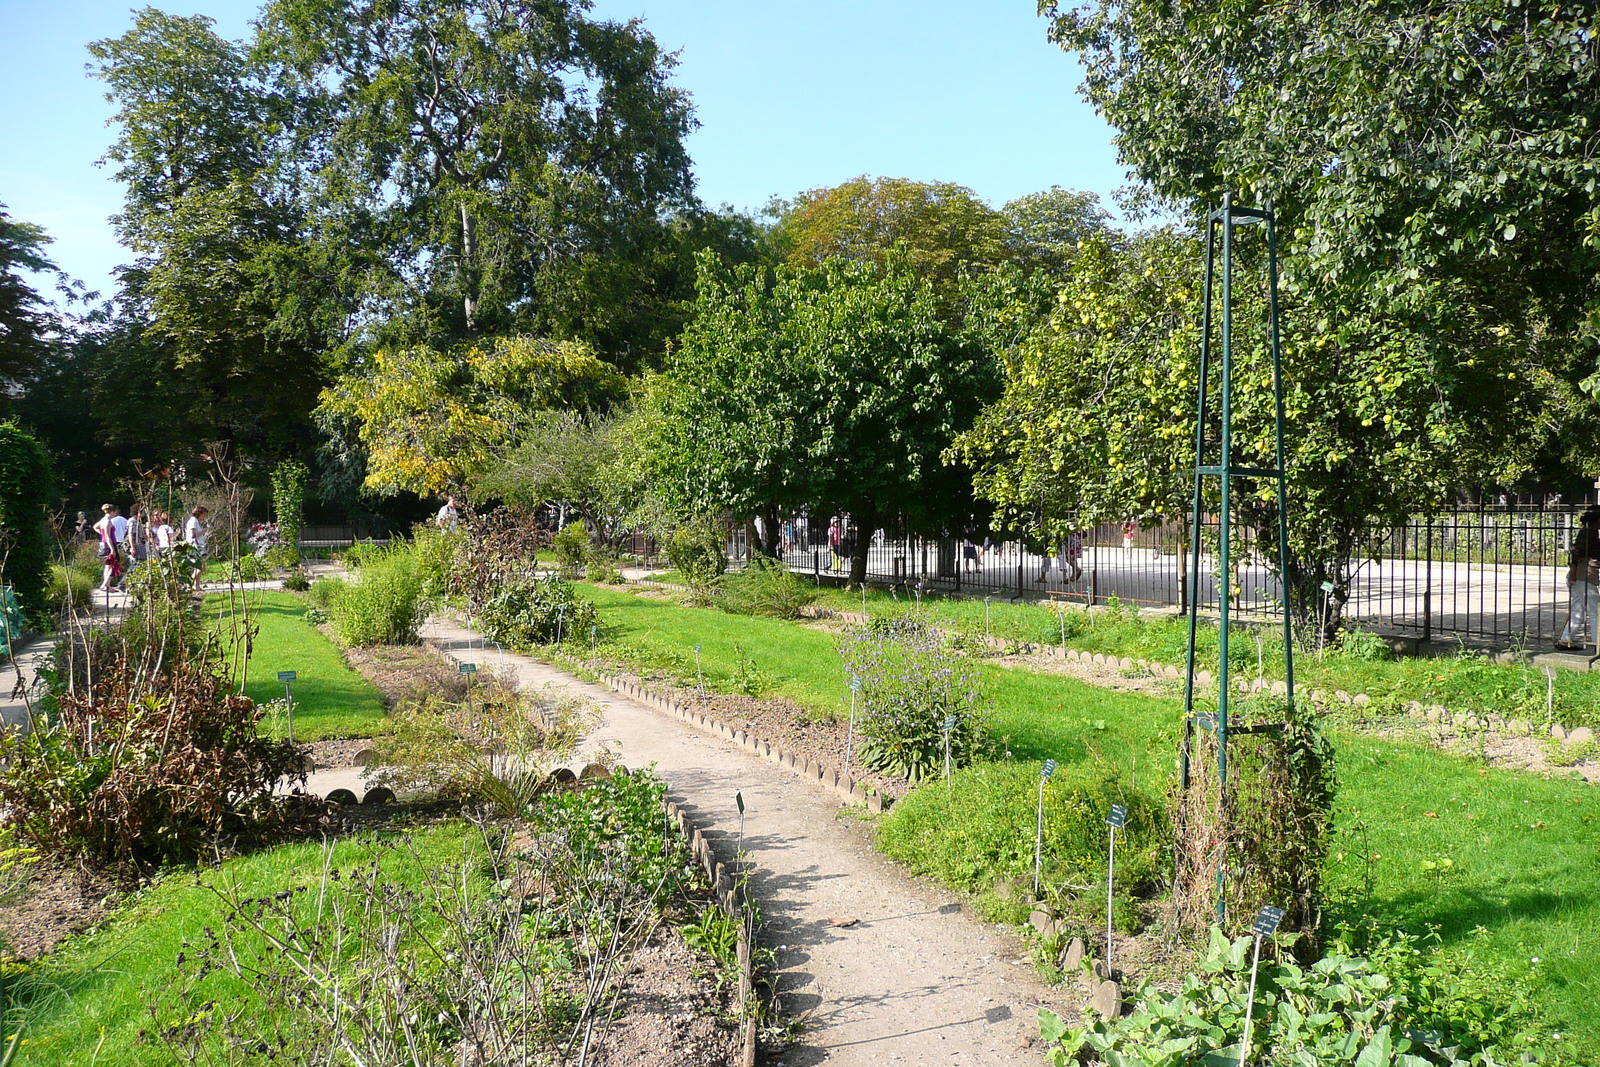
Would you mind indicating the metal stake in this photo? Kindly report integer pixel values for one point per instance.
(1267, 921)
(1045, 774)
(850, 732)
(1114, 822)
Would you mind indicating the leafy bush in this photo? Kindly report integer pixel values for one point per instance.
(606, 573)
(384, 605)
(766, 588)
(911, 682)
(981, 830)
(537, 613)
(71, 586)
(571, 547)
(696, 552)
(296, 581)
(156, 760)
(1394, 1008)
(496, 746)
(323, 591)
(24, 498)
(289, 480)
(435, 551)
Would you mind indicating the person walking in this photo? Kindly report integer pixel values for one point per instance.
(1583, 582)
(162, 534)
(112, 530)
(194, 533)
(835, 538)
(449, 517)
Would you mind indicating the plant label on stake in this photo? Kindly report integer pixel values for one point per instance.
(1117, 820)
(594, 642)
(947, 726)
(1045, 774)
(986, 617)
(738, 800)
(698, 672)
(288, 678)
(561, 620)
(850, 731)
(1267, 920)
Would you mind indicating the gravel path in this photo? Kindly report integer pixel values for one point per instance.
(917, 980)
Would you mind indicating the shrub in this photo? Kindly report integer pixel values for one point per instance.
(696, 552)
(435, 551)
(537, 613)
(296, 581)
(765, 588)
(70, 586)
(1396, 1006)
(384, 605)
(495, 747)
(571, 547)
(324, 590)
(24, 496)
(1270, 827)
(911, 682)
(981, 830)
(157, 760)
(289, 480)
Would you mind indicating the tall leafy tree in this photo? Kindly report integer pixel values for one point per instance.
(838, 387)
(943, 227)
(486, 157)
(1045, 229)
(434, 421)
(1447, 143)
(220, 308)
(25, 319)
(1097, 419)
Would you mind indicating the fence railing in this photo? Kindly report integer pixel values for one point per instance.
(1492, 574)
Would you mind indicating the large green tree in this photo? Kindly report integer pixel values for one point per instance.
(1384, 414)
(25, 319)
(942, 227)
(835, 387)
(1439, 145)
(488, 162)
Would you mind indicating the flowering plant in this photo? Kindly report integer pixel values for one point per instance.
(912, 684)
(263, 538)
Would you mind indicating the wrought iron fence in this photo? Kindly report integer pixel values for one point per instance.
(1491, 574)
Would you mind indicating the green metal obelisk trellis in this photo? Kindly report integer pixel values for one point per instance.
(1222, 224)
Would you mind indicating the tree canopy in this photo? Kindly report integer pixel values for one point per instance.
(25, 319)
(434, 420)
(838, 387)
(943, 227)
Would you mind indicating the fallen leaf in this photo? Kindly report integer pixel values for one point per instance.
(1431, 814)
(842, 921)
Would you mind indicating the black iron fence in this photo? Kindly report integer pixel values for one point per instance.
(1492, 574)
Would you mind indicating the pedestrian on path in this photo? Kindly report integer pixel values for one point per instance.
(1583, 581)
(112, 529)
(835, 539)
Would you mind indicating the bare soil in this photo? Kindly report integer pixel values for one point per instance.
(55, 902)
(669, 1011)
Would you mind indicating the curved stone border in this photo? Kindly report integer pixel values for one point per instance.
(848, 789)
(731, 899)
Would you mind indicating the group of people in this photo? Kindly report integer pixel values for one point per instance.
(127, 541)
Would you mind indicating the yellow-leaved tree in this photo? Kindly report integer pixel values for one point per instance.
(431, 421)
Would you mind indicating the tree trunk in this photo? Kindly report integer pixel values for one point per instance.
(469, 268)
(866, 522)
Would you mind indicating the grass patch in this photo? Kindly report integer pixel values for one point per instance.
(1501, 863)
(1466, 681)
(330, 699)
(90, 1002)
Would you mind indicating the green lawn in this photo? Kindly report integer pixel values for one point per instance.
(1523, 878)
(330, 699)
(1466, 682)
(90, 1002)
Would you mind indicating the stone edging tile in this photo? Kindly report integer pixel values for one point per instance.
(847, 788)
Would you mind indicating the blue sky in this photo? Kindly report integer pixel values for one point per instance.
(789, 97)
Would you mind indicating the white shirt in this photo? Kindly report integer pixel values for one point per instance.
(194, 532)
(448, 518)
(164, 536)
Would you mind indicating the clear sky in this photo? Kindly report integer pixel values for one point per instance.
(789, 97)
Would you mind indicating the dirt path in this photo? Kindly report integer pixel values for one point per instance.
(917, 981)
